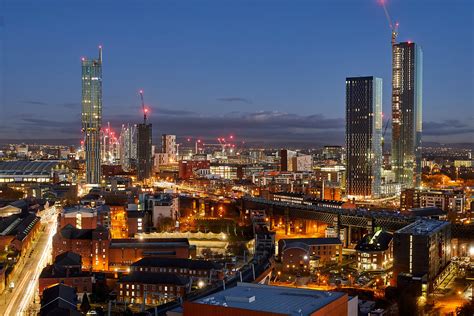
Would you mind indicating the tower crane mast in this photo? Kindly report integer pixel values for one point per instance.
(144, 109)
(393, 26)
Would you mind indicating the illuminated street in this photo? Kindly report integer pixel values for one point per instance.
(20, 300)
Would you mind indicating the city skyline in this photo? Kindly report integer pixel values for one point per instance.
(254, 96)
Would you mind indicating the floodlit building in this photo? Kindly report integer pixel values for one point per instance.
(407, 100)
(92, 115)
(375, 251)
(363, 136)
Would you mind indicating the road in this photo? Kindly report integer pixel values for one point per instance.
(26, 277)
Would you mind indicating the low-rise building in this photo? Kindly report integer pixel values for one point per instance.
(151, 288)
(18, 231)
(78, 216)
(308, 253)
(124, 252)
(66, 269)
(59, 299)
(199, 270)
(265, 300)
(91, 244)
(375, 251)
(101, 253)
(421, 251)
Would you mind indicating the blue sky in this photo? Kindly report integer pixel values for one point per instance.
(264, 70)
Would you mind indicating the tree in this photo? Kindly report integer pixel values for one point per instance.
(164, 223)
(85, 306)
(466, 310)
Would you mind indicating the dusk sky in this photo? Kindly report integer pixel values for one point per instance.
(263, 70)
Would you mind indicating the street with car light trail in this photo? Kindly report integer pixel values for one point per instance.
(25, 279)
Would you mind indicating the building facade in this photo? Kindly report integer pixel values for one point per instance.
(407, 74)
(422, 250)
(144, 165)
(128, 147)
(363, 136)
(92, 115)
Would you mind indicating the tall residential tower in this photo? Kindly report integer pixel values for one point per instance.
(363, 136)
(92, 115)
(407, 74)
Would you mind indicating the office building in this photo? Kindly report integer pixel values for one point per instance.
(407, 74)
(421, 251)
(92, 115)
(144, 152)
(363, 136)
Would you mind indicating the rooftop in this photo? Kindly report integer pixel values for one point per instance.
(423, 227)
(272, 299)
(378, 241)
(149, 243)
(298, 242)
(177, 263)
(154, 278)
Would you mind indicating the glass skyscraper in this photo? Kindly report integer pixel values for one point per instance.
(363, 136)
(407, 89)
(92, 115)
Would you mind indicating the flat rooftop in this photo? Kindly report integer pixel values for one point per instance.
(423, 227)
(272, 299)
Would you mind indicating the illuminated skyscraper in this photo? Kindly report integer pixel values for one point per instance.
(128, 147)
(92, 115)
(407, 74)
(363, 136)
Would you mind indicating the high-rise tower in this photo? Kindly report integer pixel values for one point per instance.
(407, 74)
(363, 136)
(92, 115)
(144, 148)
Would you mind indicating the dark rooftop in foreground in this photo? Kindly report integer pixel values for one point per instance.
(272, 299)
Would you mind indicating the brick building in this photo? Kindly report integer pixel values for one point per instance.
(375, 251)
(91, 244)
(187, 168)
(155, 288)
(101, 253)
(18, 231)
(66, 269)
(199, 270)
(124, 252)
(307, 253)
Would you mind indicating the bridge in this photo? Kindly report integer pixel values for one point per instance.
(340, 218)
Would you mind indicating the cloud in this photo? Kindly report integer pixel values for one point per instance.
(235, 99)
(35, 102)
(261, 127)
(71, 105)
(447, 128)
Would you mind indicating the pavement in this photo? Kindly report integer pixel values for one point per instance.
(23, 299)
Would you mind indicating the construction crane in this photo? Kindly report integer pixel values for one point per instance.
(393, 26)
(144, 109)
